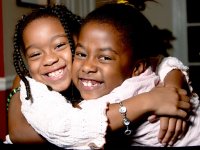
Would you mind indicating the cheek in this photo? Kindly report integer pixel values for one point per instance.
(67, 57)
(33, 68)
(113, 76)
(75, 68)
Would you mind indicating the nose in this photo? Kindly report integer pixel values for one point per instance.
(89, 66)
(50, 59)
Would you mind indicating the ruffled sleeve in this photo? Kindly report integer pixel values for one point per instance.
(60, 123)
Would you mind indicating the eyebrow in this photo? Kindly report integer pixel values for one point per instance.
(79, 45)
(59, 35)
(101, 49)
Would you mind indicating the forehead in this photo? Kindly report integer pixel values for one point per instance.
(41, 27)
(103, 33)
(45, 22)
(103, 26)
(99, 32)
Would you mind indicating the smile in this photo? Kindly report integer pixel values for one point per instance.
(56, 74)
(90, 83)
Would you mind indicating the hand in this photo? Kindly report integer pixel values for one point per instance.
(171, 129)
(169, 101)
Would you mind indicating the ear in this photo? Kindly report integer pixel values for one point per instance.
(139, 68)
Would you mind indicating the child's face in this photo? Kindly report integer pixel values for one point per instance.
(48, 53)
(101, 61)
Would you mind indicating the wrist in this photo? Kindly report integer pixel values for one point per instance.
(174, 78)
(147, 105)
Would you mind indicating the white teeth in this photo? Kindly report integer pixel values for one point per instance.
(56, 73)
(89, 84)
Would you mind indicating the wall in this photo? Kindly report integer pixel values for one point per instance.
(171, 14)
(80, 7)
(2, 93)
(9, 15)
(160, 13)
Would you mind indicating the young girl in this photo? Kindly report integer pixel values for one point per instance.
(100, 57)
(90, 109)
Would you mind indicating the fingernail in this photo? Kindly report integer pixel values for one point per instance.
(164, 144)
(171, 143)
(160, 140)
(180, 136)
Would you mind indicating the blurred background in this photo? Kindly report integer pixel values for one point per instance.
(180, 18)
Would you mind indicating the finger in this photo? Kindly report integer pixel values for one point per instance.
(170, 131)
(160, 85)
(184, 98)
(184, 105)
(185, 126)
(182, 91)
(152, 118)
(178, 132)
(181, 113)
(163, 128)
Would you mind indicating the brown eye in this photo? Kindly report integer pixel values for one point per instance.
(61, 46)
(80, 55)
(34, 55)
(105, 58)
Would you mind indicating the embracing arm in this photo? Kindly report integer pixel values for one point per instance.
(150, 102)
(19, 129)
(177, 79)
(171, 128)
(173, 73)
(62, 125)
(16, 82)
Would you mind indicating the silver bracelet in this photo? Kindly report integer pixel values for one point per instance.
(126, 121)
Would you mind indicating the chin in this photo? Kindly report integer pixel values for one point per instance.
(59, 89)
(90, 96)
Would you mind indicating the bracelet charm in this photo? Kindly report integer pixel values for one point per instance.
(126, 121)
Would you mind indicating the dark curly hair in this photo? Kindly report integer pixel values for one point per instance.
(71, 24)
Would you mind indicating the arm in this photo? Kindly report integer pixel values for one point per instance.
(177, 79)
(16, 82)
(59, 122)
(172, 128)
(18, 127)
(68, 128)
(150, 102)
(173, 74)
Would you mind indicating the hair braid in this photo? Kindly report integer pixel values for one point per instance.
(71, 24)
(68, 20)
(19, 65)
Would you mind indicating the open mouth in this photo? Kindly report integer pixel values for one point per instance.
(90, 83)
(56, 74)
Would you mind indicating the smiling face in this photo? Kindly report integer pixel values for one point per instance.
(101, 60)
(48, 53)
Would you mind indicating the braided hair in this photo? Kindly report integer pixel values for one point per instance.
(70, 22)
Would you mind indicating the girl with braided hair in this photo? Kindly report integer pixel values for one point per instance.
(70, 22)
(54, 70)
